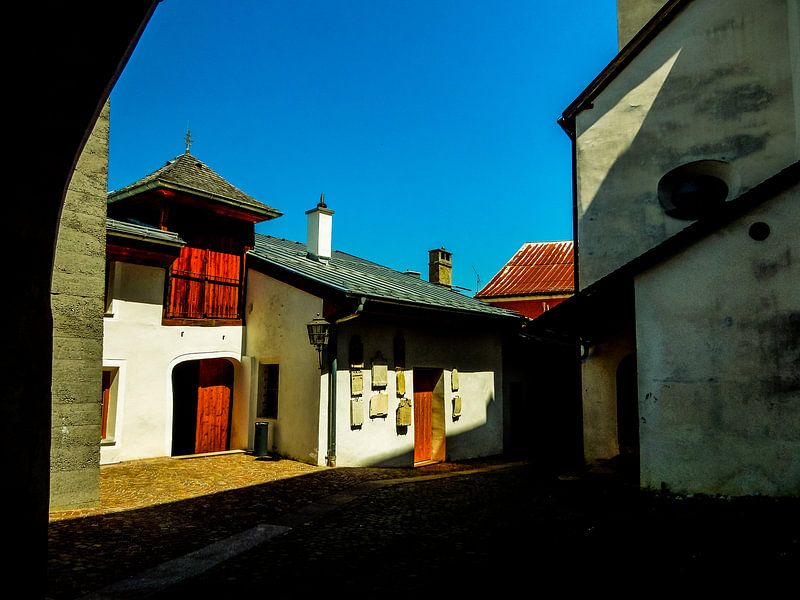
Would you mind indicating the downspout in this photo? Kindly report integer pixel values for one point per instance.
(330, 459)
(569, 125)
(333, 352)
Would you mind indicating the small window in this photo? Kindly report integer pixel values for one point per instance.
(108, 300)
(759, 231)
(399, 350)
(355, 352)
(695, 190)
(268, 392)
(109, 405)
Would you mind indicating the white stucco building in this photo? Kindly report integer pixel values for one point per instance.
(205, 336)
(397, 342)
(686, 219)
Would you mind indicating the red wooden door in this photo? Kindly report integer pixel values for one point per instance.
(214, 395)
(424, 382)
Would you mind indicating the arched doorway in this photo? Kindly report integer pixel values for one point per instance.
(202, 406)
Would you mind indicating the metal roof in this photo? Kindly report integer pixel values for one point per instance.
(143, 232)
(536, 268)
(188, 174)
(353, 276)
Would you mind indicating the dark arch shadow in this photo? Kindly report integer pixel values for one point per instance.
(60, 73)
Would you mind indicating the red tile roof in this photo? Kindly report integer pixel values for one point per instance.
(536, 268)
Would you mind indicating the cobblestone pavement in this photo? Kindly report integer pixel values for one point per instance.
(469, 528)
(155, 510)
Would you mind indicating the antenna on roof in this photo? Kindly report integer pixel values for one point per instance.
(477, 279)
(188, 138)
(321, 203)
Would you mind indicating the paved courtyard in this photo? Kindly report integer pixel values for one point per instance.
(231, 525)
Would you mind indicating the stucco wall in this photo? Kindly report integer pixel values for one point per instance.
(276, 334)
(145, 352)
(632, 15)
(718, 338)
(77, 304)
(793, 22)
(476, 355)
(717, 83)
(599, 390)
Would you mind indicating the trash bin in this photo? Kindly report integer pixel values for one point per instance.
(260, 444)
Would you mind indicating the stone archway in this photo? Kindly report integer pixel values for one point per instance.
(62, 73)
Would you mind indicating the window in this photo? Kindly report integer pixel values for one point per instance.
(355, 352)
(108, 299)
(109, 405)
(399, 350)
(759, 231)
(268, 391)
(204, 284)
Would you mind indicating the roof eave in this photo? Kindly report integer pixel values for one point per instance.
(584, 100)
(267, 211)
(507, 315)
(179, 243)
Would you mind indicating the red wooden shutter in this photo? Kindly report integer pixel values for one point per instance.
(205, 284)
(186, 284)
(223, 278)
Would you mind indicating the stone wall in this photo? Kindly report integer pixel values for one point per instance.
(77, 302)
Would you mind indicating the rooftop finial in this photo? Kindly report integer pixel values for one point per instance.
(322, 201)
(188, 139)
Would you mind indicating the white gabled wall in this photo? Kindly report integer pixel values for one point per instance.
(719, 82)
(145, 352)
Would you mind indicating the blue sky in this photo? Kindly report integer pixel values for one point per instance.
(426, 123)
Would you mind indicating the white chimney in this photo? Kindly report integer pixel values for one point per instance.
(320, 227)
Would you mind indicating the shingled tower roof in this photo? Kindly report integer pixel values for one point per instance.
(189, 175)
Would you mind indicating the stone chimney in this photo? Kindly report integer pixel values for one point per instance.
(440, 267)
(320, 230)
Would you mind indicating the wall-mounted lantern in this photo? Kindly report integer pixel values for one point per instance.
(318, 334)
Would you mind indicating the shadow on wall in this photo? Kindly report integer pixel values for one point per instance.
(698, 100)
